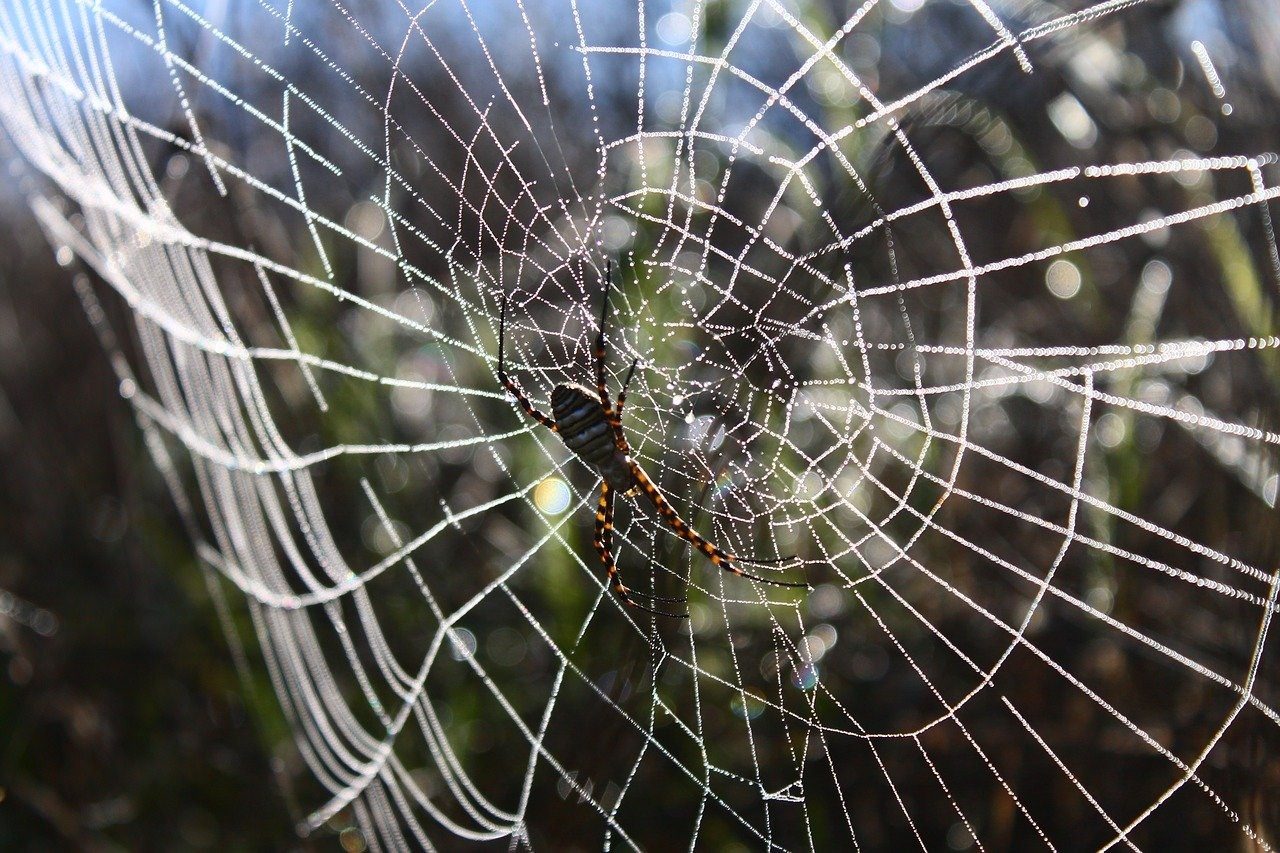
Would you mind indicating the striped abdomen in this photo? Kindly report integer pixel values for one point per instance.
(584, 429)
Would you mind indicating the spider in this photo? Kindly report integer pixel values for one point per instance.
(591, 427)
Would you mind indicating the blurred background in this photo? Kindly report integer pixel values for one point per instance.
(135, 708)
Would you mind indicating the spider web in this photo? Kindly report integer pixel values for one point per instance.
(982, 389)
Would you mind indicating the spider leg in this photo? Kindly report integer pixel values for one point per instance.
(604, 545)
(509, 383)
(622, 396)
(613, 415)
(717, 555)
(601, 351)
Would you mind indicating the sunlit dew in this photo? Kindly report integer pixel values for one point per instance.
(1063, 279)
(814, 648)
(506, 646)
(1073, 121)
(824, 634)
(463, 644)
(810, 486)
(1040, 391)
(701, 620)
(352, 840)
(36, 618)
(959, 837)
(700, 433)
(1156, 276)
(552, 496)
(805, 677)
(675, 29)
(1111, 430)
(1155, 237)
(723, 483)
(826, 601)
(366, 219)
(616, 234)
(749, 709)
(1100, 597)
(416, 304)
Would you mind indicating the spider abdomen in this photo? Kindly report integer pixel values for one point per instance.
(584, 428)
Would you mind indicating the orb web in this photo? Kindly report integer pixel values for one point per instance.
(978, 378)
